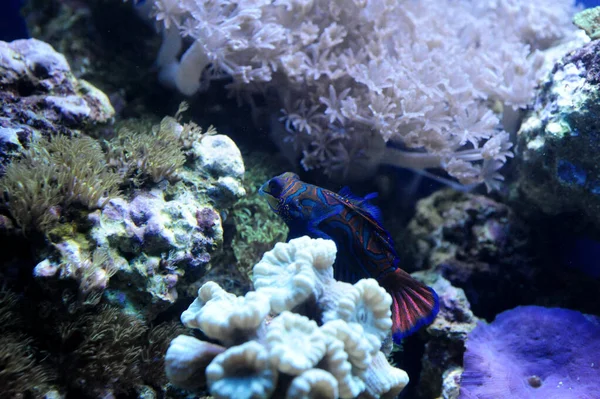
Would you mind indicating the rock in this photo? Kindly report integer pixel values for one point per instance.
(219, 155)
(476, 243)
(162, 241)
(40, 95)
(442, 360)
(144, 246)
(559, 142)
(218, 171)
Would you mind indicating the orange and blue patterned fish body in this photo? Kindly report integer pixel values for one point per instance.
(364, 248)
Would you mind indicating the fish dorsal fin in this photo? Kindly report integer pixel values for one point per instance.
(362, 204)
(370, 212)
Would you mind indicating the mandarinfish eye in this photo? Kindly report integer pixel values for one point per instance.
(275, 188)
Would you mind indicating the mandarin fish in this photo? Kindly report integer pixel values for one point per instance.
(364, 248)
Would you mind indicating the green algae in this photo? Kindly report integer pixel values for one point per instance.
(257, 228)
(589, 21)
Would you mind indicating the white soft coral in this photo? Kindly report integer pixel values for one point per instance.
(430, 75)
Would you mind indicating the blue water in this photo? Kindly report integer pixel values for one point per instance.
(12, 24)
(590, 3)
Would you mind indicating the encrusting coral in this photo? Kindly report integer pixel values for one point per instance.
(288, 347)
(533, 352)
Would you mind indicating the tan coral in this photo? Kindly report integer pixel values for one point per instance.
(295, 343)
(226, 317)
(313, 384)
(360, 349)
(242, 372)
(186, 361)
(382, 380)
(336, 362)
(286, 275)
(365, 303)
(320, 254)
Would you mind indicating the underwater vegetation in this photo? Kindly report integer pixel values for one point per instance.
(256, 231)
(92, 353)
(54, 174)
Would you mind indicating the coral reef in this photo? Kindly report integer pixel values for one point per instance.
(558, 142)
(148, 240)
(278, 340)
(114, 219)
(345, 77)
(476, 243)
(161, 234)
(533, 352)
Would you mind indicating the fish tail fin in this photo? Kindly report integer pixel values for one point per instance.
(414, 304)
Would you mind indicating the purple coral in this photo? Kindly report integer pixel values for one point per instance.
(534, 352)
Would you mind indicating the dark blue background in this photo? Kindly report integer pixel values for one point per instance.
(12, 24)
(590, 3)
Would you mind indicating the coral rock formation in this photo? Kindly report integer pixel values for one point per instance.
(558, 142)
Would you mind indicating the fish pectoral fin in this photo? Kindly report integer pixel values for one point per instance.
(320, 214)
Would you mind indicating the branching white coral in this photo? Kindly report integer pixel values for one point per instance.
(225, 317)
(313, 384)
(295, 343)
(242, 372)
(428, 75)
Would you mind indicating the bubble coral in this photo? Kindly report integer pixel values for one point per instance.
(186, 361)
(383, 380)
(337, 359)
(336, 362)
